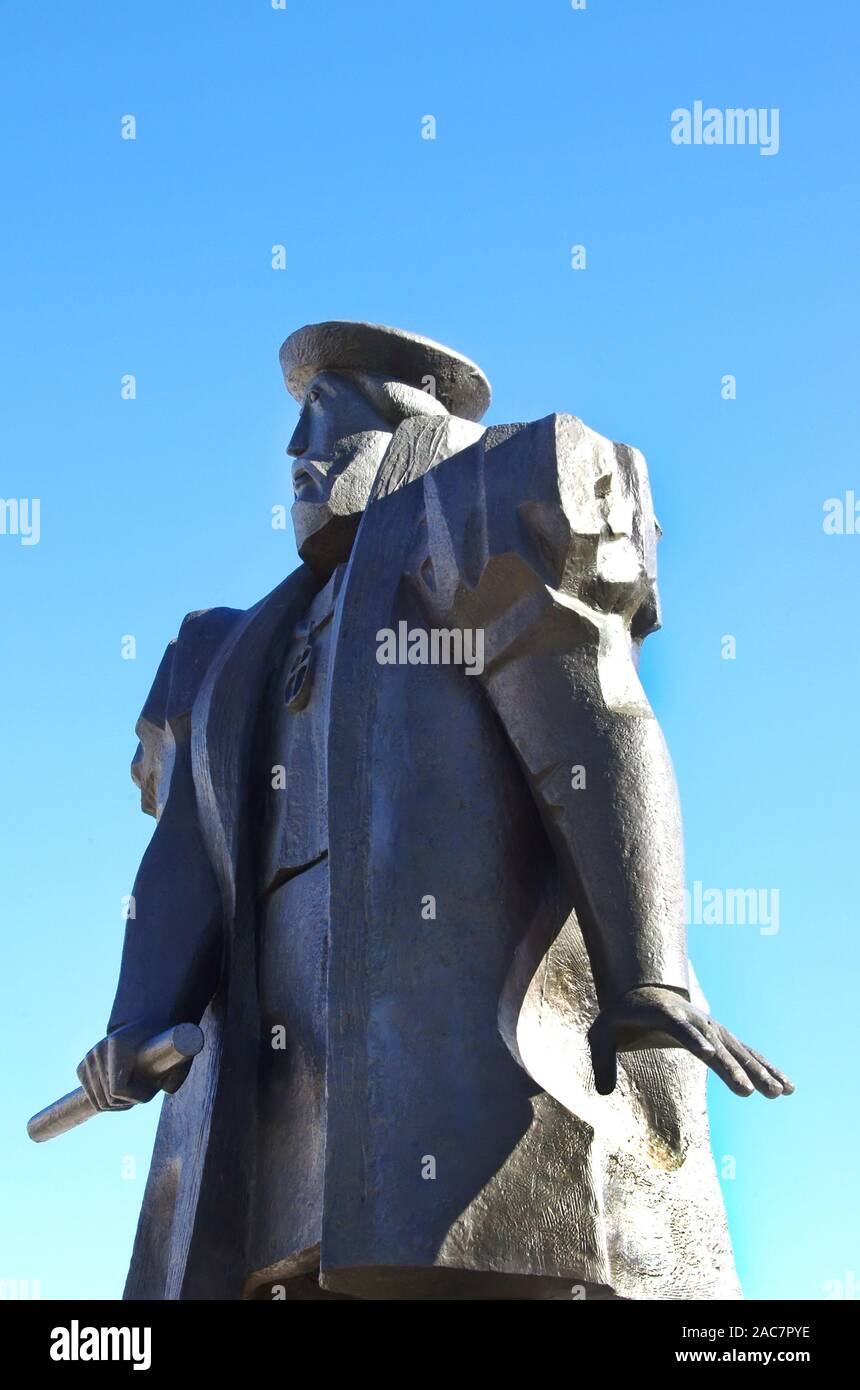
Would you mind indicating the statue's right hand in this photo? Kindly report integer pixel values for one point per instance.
(107, 1073)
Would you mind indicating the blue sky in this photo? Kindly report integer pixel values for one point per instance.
(259, 127)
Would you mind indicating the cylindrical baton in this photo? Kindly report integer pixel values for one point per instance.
(154, 1059)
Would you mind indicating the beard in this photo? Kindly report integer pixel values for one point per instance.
(325, 526)
(324, 541)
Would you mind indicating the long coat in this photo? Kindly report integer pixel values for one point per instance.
(463, 1129)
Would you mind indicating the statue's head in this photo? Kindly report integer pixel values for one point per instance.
(356, 383)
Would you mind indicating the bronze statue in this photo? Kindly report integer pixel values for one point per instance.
(418, 876)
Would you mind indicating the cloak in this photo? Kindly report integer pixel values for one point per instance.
(463, 1129)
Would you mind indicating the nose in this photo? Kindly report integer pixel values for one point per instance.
(299, 443)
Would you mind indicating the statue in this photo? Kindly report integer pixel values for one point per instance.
(417, 876)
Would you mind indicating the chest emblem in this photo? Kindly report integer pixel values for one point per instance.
(300, 679)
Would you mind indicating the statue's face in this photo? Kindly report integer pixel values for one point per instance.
(337, 446)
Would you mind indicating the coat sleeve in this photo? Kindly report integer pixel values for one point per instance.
(173, 939)
(544, 545)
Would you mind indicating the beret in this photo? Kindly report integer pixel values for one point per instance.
(372, 347)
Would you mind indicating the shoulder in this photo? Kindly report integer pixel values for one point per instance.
(186, 659)
(201, 635)
(548, 503)
(567, 480)
(179, 676)
(556, 471)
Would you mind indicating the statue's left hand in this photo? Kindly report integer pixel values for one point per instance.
(654, 1016)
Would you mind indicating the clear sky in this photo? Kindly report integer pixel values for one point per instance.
(302, 127)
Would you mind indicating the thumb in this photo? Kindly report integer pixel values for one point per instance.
(603, 1056)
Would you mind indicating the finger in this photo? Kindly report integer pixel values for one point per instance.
(99, 1068)
(83, 1075)
(122, 1088)
(763, 1079)
(604, 1059)
(89, 1077)
(99, 1090)
(100, 1062)
(117, 1068)
(690, 1037)
(730, 1071)
(788, 1086)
